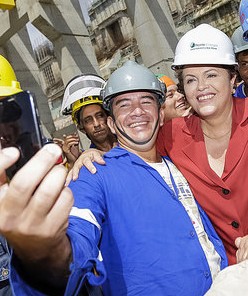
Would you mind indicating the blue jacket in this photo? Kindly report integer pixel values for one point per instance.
(5, 289)
(4, 259)
(239, 92)
(148, 243)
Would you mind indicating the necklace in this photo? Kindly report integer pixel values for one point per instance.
(219, 137)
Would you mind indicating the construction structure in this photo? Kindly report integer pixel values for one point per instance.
(148, 30)
(62, 23)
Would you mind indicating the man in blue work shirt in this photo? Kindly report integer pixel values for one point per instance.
(134, 227)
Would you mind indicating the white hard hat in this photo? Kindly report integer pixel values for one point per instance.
(85, 85)
(204, 45)
(239, 44)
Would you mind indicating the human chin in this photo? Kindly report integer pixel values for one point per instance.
(206, 110)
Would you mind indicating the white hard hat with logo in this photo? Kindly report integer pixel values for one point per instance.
(239, 44)
(204, 45)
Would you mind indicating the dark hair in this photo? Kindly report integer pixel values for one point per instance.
(243, 53)
(77, 113)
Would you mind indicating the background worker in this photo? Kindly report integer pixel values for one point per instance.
(85, 106)
(153, 239)
(175, 104)
(241, 52)
(8, 86)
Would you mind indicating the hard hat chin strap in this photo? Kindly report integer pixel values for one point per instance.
(132, 140)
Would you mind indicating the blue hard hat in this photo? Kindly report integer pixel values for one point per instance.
(243, 15)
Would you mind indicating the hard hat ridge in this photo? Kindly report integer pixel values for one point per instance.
(81, 86)
(239, 44)
(204, 45)
(131, 77)
(80, 91)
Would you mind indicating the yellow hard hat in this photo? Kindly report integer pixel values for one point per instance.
(81, 103)
(8, 82)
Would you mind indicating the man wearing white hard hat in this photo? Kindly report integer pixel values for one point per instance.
(82, 101)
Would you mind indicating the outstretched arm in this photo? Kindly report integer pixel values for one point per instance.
(34, 218)
(85, 159)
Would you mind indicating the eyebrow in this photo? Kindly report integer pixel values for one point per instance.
(95, 114)
(88, 117)
(205, 72)
(119, 101)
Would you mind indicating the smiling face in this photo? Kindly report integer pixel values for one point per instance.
(136, 119)
(208, 89)
(175, 103)
(242, 58)
(93, 122)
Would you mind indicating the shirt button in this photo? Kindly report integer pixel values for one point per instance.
(225, 191)
(206, 273)
(192, 234)
(235, 224)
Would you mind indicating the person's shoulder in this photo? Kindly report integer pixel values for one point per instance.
(114, 153)
(240, 106)
(239, 92)
(240, 103)
(179, 123)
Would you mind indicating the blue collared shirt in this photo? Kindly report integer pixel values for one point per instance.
(127, 215)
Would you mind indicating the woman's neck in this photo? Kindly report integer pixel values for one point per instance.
(215, 128)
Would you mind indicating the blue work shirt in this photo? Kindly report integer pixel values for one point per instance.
(145, 236)
(240, 92)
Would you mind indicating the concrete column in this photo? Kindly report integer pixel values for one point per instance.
(62, 23)
(155, 33)
(20, 54)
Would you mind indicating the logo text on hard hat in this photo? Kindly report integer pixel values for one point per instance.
(195, 46)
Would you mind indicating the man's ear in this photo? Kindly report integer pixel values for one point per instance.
(110, 123)
(161, 116)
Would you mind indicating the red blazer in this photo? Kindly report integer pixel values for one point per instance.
(224, 199)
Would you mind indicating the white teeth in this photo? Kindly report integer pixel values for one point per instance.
(137, 124)
(207, 97)
(180, 105)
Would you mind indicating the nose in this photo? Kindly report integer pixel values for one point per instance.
(179, 96)
(137, 109)
(96, 122)
(202, 83)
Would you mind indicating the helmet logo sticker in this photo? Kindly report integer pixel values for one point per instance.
(196, 46)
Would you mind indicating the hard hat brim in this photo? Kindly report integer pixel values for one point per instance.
(6, 91)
